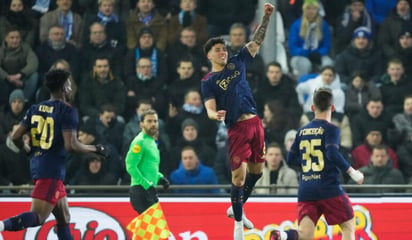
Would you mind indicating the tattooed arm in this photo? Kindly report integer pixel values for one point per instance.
(254, 45)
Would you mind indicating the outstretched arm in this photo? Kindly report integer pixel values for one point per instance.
(254, 45)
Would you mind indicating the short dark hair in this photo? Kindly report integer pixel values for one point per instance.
(212, 42)
(322, 99)
(55, 79)
(148, 112)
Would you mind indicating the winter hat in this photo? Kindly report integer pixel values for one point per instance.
(362, 32)
(145, 30)
(189, 122)
(16, 94)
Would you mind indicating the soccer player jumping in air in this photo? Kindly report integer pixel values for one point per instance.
(228, 98)
(316, 152)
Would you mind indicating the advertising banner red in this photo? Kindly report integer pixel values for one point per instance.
(205, 219)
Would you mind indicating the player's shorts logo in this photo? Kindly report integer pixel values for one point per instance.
(230, 66)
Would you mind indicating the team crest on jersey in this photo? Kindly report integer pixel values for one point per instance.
(230, 66)
(136, 149)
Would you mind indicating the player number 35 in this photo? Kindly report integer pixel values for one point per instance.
(312, 156)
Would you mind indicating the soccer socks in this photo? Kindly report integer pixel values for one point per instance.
(236, 196)
(63, 232)
(250, 182)
(21, 221)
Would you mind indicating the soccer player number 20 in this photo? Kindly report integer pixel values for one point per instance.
(42, 135)
(312, 157)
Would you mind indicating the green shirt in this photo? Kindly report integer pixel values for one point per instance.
(142, 161)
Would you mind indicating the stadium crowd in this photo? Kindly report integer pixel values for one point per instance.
(127, 56)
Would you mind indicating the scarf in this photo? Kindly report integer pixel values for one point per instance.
(67, 22)
(185, 18)
(311, 40)
(107, 19)
(192, 109)
(366, 18)
(146, 19)
(153, 59)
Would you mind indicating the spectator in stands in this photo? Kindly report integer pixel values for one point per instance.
(115, 28)
(191, 108)
(109, 129)
(187, 80)
(380, 9)
(186, 48)
(12, 114)
(327, 78)
(145, 15)
(17, 15)
(379, 171)
(354, 16)
(277, 120)
(87, 134)
(144, 85)
(191, 171)
(277, 172)
(91, 8)
(146, 49)
(278, 86)
(190, 137)
(99, 45)
(18, 65)
(394, 86)
(221, 15)
(403, 125)
(361, 55)
(56, 48)
(358, 93)
(187, 17)
(44, 92)
(309, 41)
(371, 117)
(404, 50)
(362, 153)
(255, 69)
(14, 162)
(94, 172)
(71, 22)
(390, 28)
(100, 87)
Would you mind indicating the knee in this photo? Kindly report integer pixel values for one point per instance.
(238, 181)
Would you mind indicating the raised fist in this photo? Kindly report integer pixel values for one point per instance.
(268, 9)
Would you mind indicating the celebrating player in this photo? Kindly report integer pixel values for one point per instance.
(228, 98)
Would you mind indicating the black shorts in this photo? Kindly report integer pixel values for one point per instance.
(142, 199)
